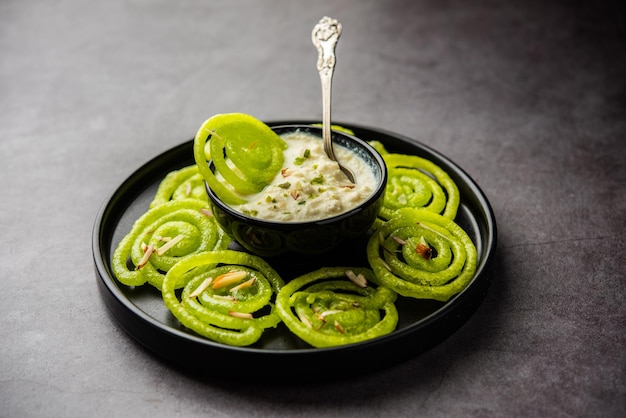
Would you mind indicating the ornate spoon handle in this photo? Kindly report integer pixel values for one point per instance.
(325, 36)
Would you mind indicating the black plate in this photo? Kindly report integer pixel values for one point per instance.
(279, 355)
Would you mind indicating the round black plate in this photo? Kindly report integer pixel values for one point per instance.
(279, 355)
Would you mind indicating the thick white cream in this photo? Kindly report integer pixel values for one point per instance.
(310, 186)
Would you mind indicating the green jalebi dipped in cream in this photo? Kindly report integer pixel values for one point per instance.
(423, 255)
(416, 182)
(161, 237)
(335, 306)
(227, 296)
(245, 152)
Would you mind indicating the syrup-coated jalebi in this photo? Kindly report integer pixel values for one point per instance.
(423, 255)
(336, 306)
(186, 183)
(244, 150)
(162, 236)
(227, 295)
(419, 183)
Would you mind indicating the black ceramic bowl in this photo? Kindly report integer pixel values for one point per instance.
(272, 238)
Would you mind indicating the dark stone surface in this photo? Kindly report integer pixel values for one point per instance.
(529, 97)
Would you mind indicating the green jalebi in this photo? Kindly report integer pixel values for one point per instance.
(187, 223)
(419, 183)
(325, 308)
(186, 183)
(423, 255)
(245, 152)
(227, 295)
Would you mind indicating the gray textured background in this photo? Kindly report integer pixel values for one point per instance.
(529, 97)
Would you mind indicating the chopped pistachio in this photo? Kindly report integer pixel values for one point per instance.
(305, 155)
(318, 180)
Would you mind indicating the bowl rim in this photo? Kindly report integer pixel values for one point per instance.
(374, 196)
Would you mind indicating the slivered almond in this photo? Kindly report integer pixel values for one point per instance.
(170, 244)
(324, 314)
(243, 285)
(339, 327)
(294, 194)
(243, 315)
(229, 278)
(362, 279)
(206, 212)
(285, 172)
(432, 230)
(387, 266)
(399, 240)
(306, 321)
(381, 242)
(146, 256)
(203, 286)
(358, 280)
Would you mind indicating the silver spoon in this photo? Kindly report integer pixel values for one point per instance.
(325, 36)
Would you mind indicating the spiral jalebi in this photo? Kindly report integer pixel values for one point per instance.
(336, 306)
(245, 152)
(416, 182)
(423, 255)
(227, 296)
(163, 236)
(186, 183)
